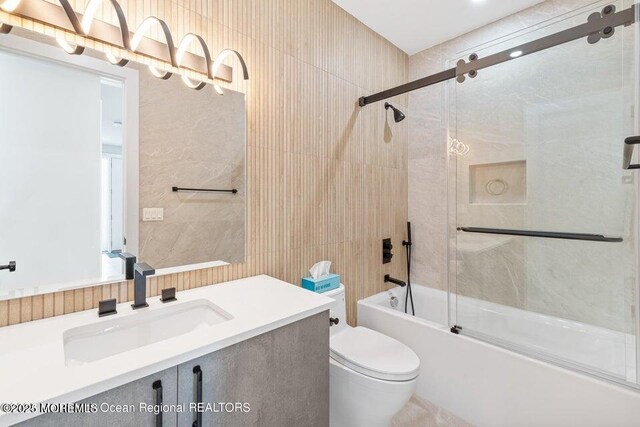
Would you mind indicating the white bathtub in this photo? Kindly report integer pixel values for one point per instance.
(490, 386)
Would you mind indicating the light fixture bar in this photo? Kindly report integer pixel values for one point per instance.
(54, 16)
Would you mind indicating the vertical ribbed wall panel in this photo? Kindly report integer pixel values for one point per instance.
(327, 180)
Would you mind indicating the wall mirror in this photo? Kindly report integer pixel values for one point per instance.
(98, 160)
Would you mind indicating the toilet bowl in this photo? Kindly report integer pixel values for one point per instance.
(372, 376)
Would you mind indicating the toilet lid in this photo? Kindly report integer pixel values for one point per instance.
(374, 354)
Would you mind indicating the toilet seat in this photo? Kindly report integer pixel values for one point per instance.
(375, 355)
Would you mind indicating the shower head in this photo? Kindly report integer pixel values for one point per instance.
(398, 115)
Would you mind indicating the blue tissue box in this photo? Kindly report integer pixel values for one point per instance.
(323, 284)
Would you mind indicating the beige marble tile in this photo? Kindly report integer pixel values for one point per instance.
(422, 413)
(193, 139)
(532, 109)
(310, 149)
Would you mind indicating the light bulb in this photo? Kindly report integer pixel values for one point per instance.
(87, 20)
(218, 63)
(71, 49)
(10, 5)
(139, 35)
(182, 50)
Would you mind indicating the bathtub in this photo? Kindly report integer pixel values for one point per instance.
(488, 385)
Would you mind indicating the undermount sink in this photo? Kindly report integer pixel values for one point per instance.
(99, 340)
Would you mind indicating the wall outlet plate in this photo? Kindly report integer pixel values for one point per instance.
(152, 214)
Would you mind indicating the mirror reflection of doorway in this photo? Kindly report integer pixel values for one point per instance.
(112, 225)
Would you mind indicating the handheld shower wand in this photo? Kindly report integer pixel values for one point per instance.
(409, 295)
(408, 241)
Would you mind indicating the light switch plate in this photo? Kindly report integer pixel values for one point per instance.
(152, 214)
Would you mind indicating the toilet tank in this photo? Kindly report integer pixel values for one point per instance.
(339, 307)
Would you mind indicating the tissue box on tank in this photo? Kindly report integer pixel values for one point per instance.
(323, 284)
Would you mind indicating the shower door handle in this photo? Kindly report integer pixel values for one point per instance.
(629, 144)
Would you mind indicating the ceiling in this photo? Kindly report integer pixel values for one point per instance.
(415, 25)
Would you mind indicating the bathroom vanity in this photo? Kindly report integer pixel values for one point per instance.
(248, 350)
(153, 170)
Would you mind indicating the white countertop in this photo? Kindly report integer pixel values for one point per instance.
(32, 360)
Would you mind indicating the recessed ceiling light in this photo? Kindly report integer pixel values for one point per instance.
(516, 53)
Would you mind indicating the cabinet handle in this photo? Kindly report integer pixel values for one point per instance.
(197, 392)
(157, 387)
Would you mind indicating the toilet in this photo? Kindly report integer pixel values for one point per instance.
(372, 376)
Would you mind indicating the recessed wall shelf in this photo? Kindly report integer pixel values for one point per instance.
(498, 183)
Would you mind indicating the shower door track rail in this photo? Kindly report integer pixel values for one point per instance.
(543, 234)
(599, 25)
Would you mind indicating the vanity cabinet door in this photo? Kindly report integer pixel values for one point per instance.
(112, 404)
(280, 378)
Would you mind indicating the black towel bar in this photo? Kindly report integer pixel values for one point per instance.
(543, 234)
(176, 189)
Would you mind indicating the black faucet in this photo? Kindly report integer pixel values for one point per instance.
(390, 279)
(11, 266)
(129, 263)
(142, 270)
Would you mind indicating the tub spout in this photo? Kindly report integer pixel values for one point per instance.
(390, 279)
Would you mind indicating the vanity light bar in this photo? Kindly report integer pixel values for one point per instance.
(63, 17)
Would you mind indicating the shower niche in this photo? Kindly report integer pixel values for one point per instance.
(498, 183)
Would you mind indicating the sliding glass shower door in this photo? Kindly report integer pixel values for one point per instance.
(543, 217)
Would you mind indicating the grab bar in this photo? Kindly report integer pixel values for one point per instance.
(629, 145)
(543, 234)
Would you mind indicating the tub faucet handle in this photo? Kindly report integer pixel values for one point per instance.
(389, 279)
